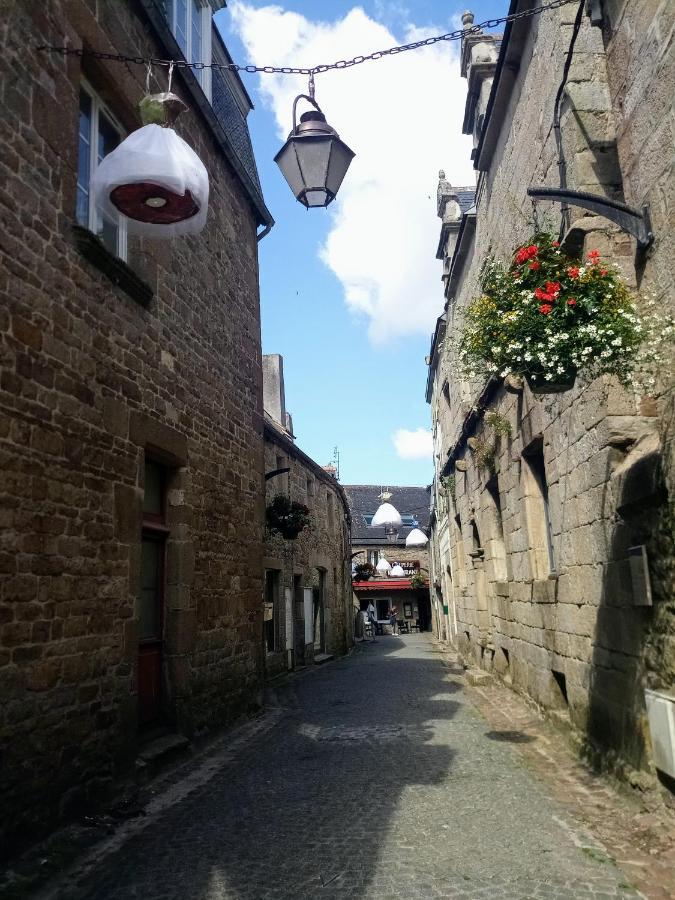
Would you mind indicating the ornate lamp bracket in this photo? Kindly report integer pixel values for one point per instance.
(638, 224)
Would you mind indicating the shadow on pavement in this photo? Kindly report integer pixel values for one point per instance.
(307, 810)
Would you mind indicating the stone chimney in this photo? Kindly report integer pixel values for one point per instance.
(450, 214)
(274, 400)
(478, 64)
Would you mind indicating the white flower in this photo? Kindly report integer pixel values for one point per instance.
(616, 342)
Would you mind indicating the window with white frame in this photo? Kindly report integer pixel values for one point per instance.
(99, 134)
(190, 22)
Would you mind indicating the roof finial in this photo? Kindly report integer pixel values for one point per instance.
(441, 175)
(467, 19)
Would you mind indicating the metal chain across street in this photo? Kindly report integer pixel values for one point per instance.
(456, 35)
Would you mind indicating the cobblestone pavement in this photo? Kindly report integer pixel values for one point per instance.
(379, 780)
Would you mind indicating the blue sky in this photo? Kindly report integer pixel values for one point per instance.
(354, 350)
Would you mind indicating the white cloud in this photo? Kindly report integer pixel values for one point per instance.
(413, 444)
(402, 116)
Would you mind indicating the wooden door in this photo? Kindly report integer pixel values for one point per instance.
(151, 625)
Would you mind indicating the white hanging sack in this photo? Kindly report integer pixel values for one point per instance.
(157, 181)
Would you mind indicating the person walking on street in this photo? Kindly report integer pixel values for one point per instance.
(393, 612)
(372, 616)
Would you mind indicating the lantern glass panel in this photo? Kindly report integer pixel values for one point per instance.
(340, 160)
(316, 198)
(314, 155)
(287, 161)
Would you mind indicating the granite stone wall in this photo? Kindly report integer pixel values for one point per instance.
(317, 560)
(538, 544)
(103, 364)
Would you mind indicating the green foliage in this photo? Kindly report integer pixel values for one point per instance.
(498, 423)
(287, 517)
(484, 454)
(418, 581)
(547, 318)
(364, 571)
(449, 483)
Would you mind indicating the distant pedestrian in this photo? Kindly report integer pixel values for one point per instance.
(393, 613)
(372, 617)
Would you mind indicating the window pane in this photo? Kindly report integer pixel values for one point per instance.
(108, 139)
(153, 496)
(108, 136)
(83, 160)
(182, 25)
(150, 621)
(196, 49)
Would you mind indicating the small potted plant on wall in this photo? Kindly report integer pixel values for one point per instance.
(287, 517)
(364, 571)
(547, 317)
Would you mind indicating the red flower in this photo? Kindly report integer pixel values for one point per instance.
(572, 301)
(525, 253)
(594, 257)
(573, 271)
(555, 243)
(545, 308)
(603, 271)
(553, 287)
(535, 265)
(541, 294)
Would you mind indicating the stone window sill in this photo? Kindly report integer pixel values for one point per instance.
(121, 274)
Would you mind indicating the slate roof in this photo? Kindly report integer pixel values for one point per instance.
(465, 197)
(234, 123)
(364, 500)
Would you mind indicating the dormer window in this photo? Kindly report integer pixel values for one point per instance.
(190, 22)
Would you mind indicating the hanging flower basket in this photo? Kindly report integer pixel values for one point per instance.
(364, 571)
(287, 517)
(562, 383)
(548, 319)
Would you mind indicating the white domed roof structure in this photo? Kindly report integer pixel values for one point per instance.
(383, 567)
(397, 572)
(387, 515)
(416, 538)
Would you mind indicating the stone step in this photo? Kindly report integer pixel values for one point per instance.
(320, 658)
(160, 752)
(478, 677)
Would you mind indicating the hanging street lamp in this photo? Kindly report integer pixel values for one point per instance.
(416, 538)
(314, 160)
(387, 516)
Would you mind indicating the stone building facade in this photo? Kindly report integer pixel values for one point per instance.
(531, 556)
(307, 583)
(371, 545)
(131, 418)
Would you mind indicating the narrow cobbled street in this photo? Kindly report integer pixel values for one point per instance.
(378, 780)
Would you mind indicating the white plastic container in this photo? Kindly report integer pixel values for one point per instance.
(661, 714)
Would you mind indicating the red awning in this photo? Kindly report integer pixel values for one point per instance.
(384, 584)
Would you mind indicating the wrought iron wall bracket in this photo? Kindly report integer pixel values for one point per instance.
(275, 472)
(638, 224)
